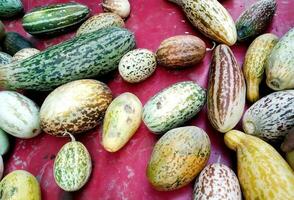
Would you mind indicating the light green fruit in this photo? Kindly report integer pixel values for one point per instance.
(20, 185)
(173, 106)
(280, 64)
(72, 166)
(121, 121)
(5, 58)
(19, 116)
(4, 142)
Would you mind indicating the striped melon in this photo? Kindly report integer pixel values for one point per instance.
(92, 54)
(55, 18)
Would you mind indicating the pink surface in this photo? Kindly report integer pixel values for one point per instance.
(121, 175)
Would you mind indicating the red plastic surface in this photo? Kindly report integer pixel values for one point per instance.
(121, 175)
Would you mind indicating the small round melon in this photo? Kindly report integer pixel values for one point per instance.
(72, 166)
(137, 65)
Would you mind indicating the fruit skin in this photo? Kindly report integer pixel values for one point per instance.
(14, 42)
(180, 51)
(4, 143)
(280, 64)
(54, 18)
(75, 107)
(10, 8)
(254, 64)
(173, 106)
(20, 185)
(19, 116)
(137, 65)
(50, 68)
(5, 58)
(290, 158)
(120, 7)
(97, 22)
(121, 121)
(254, 20)
(263, 173)
(178, 157)
(211, 18)
(272, 117)
(217, 181)
(72, 166)
(1, 167)
(2, 30)
(24, 53)
(226, 90)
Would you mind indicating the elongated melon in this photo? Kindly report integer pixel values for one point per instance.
(89, 55)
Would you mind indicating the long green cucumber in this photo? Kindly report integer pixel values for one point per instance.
(55, 18)
(89, 55)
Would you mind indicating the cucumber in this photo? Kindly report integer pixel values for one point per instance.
(89, 55)
(10, 8)
(5, 58)
(13, 42)
(55, 18)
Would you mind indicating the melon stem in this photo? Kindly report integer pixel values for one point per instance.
(70, 135)
(249, 127)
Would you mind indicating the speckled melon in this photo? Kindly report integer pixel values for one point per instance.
(72, 166)
(262, 172)
(173, 106)
(5, 58)
(178, 157)
(97, 22)
(218, 182)
(137, 65)
(24, 53)
(20, 185)
(122, 119)
(272, 117)
(180, 51)
(279, 67)
(19, 116)
(75, 107)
